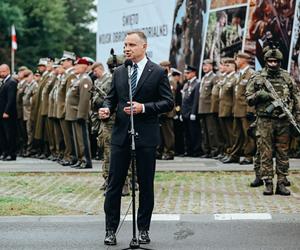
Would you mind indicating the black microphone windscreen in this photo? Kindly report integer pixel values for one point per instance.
(128, 62)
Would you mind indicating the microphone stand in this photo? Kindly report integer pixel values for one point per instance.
(134, 244)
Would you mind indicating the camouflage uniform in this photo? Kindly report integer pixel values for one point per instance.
(272, 132)
(102, 87)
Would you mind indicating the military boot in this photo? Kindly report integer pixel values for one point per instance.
(269, 187)
(281, 189)
(286, 182)
(257, 182)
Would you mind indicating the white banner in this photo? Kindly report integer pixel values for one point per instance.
(116, 17)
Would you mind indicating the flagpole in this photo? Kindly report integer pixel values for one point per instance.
(12, 61)
(14, 47)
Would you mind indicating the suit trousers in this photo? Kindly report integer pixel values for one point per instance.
(119, 164)
(82, 141)
(192, 136)
(8, 140)
(66, 129)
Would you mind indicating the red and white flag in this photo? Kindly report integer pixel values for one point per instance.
(14, 44)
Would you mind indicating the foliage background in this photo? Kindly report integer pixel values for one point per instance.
(46, 28)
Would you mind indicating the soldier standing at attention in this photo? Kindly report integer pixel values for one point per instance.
(192, 132)
(214, 107)
(77, 112)
(208, 126)
(243, 114)
(29, 91)
(67, 62)
(273, 127)
(167, 149)
(226, 105)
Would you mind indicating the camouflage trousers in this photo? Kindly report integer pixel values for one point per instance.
(273, 138)
(104, 142)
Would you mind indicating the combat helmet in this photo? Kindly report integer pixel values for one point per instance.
(114, 61)
(273, 53)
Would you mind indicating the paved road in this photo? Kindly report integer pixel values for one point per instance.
(190, 233)
(179, 164)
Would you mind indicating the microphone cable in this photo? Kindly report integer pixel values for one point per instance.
(122, 222)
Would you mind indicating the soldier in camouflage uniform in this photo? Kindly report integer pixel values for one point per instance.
(101, 87)
(273, 128)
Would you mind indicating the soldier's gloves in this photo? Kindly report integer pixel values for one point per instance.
(263, 95)
(180, 118)
(192, 117)
(175, 117)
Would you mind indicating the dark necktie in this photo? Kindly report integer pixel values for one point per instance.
(134, 78)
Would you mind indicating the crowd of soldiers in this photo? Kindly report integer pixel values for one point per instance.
(222, 116)
(57, 114)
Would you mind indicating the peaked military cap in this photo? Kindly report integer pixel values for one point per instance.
(208, 61)
(82, 61)
(90, 60)
(165, 64)
(189, 68)
(68, 55)
(243, 55)
(176, 72)
(43, 62)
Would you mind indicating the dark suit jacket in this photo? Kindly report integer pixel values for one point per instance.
(8, 92)
(153, 90)
(190, 99)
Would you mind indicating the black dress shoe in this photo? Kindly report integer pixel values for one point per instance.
(76, 165)
(144, 237)
(231, 160)
(110, 238)
(86, 165)
(10, 158)
(2, 157)
(246, 162)
(168, 157)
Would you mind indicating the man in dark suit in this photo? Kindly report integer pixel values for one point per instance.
(8, 114)
(151, 96)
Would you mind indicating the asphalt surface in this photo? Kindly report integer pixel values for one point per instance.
(190, 233)
(179, 164)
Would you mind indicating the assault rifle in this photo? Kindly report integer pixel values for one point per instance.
(278, 103)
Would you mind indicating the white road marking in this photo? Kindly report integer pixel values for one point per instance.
(242, 216)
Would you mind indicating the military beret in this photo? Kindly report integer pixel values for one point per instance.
(189, 68)
(243, 55)
(68, 55)
(208, 61)
(175, 72)
(90, 60)
(82, 61)
(165, 64)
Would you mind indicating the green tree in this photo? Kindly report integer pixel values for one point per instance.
(46, 28)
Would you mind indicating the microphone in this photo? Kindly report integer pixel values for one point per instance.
(128, 64)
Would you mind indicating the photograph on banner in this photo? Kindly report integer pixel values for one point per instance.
(225, 32)
(223, 3)
(270, 25)
(295, 60)
(187, 33)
